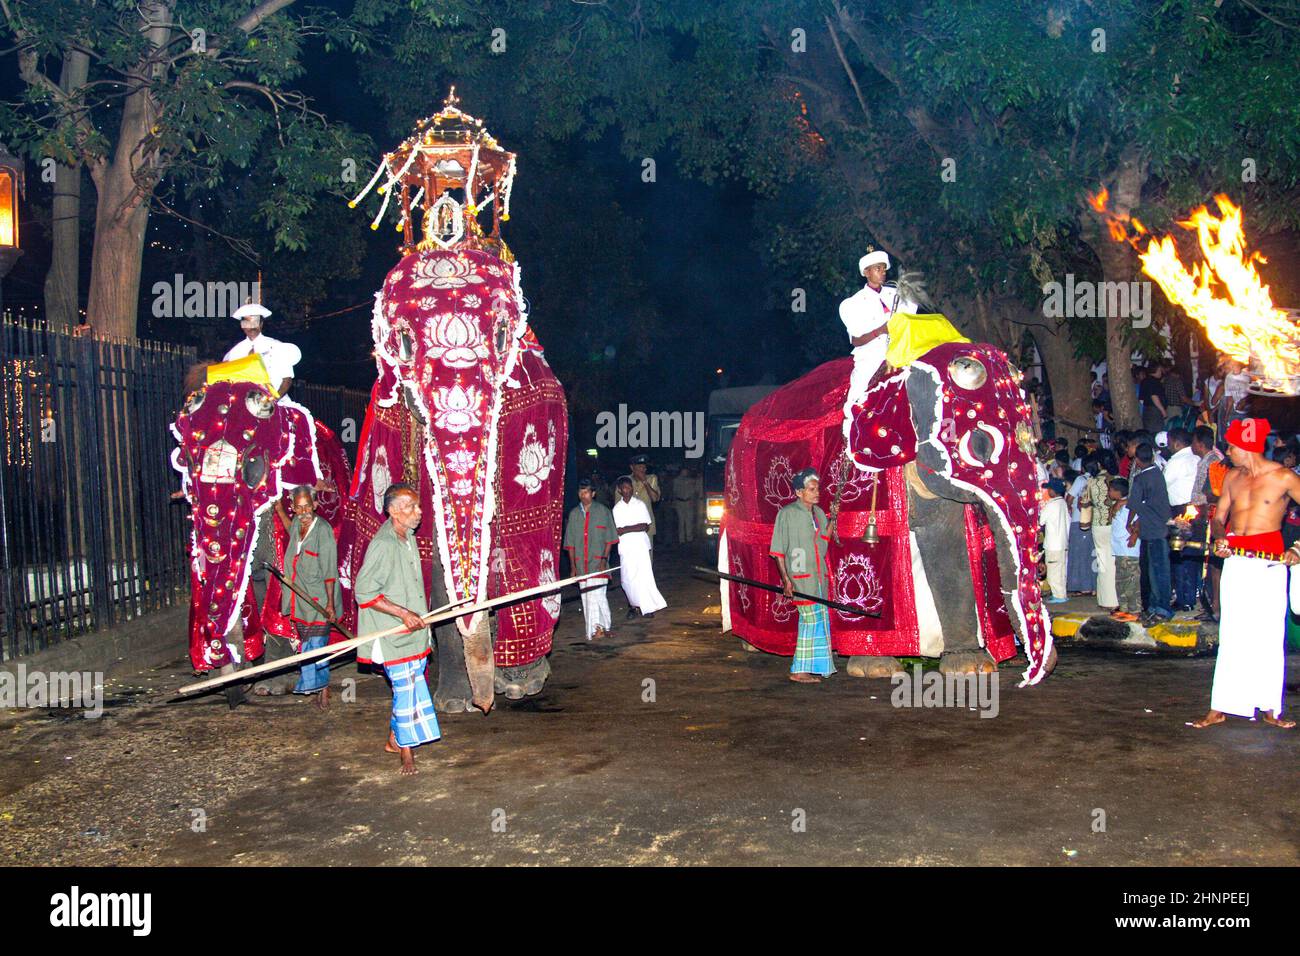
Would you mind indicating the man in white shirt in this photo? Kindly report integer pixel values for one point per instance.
(1054, 517)
(865, 315)
(1180, 470)
(278, 357)
(632, 519)
(1180, 482)
(1236, 382)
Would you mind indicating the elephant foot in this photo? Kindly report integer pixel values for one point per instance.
(520, 682)
(745, 645)
(967, 662)
(873, 666)
(1050, 664)
(452, 695)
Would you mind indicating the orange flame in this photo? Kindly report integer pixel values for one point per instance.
(1224, 294)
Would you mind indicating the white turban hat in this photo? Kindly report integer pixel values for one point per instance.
(871, 258)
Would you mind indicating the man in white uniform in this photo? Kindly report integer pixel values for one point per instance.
(637, 575)
(865, 315)
(278, 357)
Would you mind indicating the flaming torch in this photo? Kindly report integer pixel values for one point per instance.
(1224, 294)
(1181, 535)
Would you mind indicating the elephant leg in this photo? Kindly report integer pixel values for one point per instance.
(874, 666)
(277, 685)
(524, 681)
(453, 694)
(939, 525)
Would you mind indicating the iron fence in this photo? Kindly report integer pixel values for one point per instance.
(342, 409)
(89, 534)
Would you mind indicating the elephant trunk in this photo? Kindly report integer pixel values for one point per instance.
(479, 664)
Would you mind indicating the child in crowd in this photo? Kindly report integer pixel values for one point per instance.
(1127, 551)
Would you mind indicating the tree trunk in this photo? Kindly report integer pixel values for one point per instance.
(1068, 378)
(1117, 265)
(125, 184)
(63, 281)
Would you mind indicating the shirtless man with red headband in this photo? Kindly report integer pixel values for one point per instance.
(1248, 674)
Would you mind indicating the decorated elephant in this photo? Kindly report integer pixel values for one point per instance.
(238, 450)
(939, 479)
(467, 411)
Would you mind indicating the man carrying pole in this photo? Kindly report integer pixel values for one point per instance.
(390, 585)
(311, 563)
(800, 540)
(588, 537)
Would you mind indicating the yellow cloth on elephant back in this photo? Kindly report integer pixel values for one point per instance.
(911, 336)
(250, 368)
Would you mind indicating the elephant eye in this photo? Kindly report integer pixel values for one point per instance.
(405, 347)
(253, 471)
(968, 372)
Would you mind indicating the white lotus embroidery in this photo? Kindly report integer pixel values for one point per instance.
(457, 409)
(444, 272)
(546, 575)
(460, 461)
(535, 462)
(455, 339)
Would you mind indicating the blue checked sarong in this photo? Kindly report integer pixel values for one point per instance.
(414, 721)
(812, 649)
(314, 676)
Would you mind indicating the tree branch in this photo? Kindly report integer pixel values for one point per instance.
(254, 18)
(839, 50)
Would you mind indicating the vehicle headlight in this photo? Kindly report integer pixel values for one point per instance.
(714, 509)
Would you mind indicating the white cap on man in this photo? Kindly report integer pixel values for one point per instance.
(872, 258)
(251, 308)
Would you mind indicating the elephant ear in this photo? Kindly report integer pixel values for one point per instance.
(301, 462)
(882, 434)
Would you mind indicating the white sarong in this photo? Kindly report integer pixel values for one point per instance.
(595, 607)
(636, 573)
(1252, 635)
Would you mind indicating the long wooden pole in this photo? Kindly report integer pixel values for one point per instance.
(846, 608)
(441, 615)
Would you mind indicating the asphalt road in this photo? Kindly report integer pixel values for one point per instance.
(730, 763)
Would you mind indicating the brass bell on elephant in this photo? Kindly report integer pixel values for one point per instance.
(871, 535)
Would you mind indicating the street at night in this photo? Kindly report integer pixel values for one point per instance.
(712, 771)
(642, 435)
